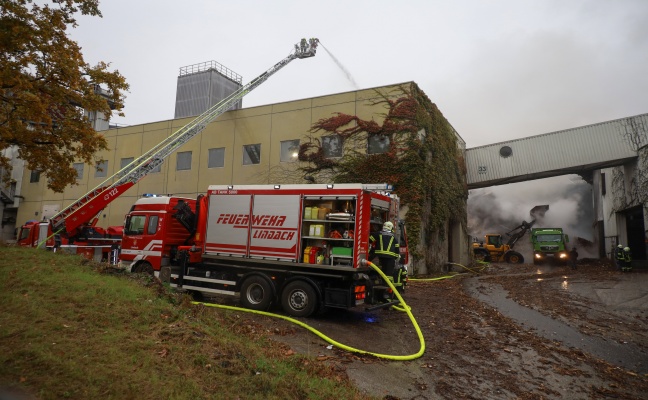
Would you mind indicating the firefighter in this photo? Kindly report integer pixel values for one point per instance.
(618, 257)
(627, 260)
(573, 257)
(386, 248)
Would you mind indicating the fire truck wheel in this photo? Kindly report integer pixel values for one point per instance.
(145, 268)
(256, 293)
(196, 295)
(299, 299)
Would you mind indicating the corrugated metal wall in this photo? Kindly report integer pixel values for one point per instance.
(198, 91)
(557, 153)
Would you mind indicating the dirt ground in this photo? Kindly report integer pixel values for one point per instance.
(506, 332)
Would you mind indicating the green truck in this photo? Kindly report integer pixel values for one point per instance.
(549, 244)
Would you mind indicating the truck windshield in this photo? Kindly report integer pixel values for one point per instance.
(549, 238)
(135, 225)
(24, 233)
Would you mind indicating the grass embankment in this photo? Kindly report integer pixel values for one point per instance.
(70, 329)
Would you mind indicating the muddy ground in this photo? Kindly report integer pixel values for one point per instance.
(506, 332)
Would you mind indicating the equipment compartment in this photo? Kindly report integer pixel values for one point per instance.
(329, 222)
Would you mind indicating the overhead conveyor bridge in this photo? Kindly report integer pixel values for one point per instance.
(571, 151)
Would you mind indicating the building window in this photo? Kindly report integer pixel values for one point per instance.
(378, 144)
(289, 150)
(332, 146)
(505, 151)
(216, 158)
(603, 188)
(252, 154)
(101, 169)
(125, 161)
(34, 177)
(183, 161)
(79, 170)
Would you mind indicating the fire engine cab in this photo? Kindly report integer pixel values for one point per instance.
(303, 246)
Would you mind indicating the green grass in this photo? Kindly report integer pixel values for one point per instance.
(73, 329)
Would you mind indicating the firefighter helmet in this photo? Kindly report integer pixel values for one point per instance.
(626, 249)
(620, 246)
(388, 226)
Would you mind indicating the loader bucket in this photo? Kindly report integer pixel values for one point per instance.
(538, 211)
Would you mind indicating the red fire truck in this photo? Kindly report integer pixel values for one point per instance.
(90, 241)
(303, 246)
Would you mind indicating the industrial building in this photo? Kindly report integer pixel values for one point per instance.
(611, 156)
(243, 146)
(259, 145)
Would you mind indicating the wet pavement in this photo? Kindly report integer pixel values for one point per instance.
(551, 342)
(628, 294)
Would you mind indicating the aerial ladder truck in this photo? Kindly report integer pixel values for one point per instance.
(74, 228)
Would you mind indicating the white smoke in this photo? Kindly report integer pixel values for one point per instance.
(499, 209)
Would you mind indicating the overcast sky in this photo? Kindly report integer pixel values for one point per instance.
(497, 69)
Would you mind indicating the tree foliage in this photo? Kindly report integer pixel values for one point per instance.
(45, 86)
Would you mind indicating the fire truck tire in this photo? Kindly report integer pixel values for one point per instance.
(513, 257)
(299, 299)
(256, 293)
(197, 296)
(144, 267)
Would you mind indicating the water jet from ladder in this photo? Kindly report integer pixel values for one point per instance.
(339, 64)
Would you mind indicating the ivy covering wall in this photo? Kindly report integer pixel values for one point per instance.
(421, 159)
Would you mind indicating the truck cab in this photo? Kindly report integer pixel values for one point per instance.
(549, 245)
(151, 235)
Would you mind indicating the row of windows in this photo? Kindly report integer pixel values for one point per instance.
(332, 146)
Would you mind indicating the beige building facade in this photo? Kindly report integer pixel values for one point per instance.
(241, 146)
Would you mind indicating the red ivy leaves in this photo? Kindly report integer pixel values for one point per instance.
(400, 119)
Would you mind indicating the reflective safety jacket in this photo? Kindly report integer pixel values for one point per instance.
(620, 254)
(386, 244)
(627, 256)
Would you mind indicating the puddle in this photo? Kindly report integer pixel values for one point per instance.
(625, 355)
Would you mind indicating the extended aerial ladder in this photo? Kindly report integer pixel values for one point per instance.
(84, 210)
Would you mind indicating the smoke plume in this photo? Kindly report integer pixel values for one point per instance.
(500, 209)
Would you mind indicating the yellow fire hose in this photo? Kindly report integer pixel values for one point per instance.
(401, 307)
(473, 270)
(340, 345)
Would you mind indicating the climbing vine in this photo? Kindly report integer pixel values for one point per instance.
(420, 158)
(634, 131)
